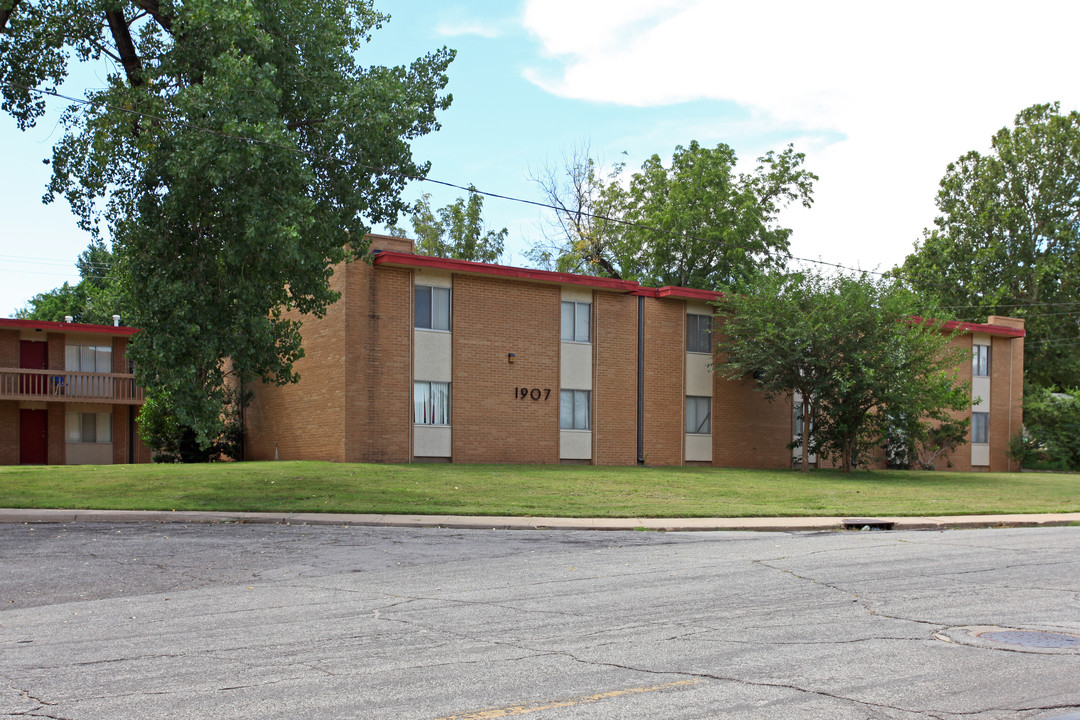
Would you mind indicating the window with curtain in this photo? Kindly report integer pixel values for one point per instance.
(574, 409)
(576, 322)
(88, 358)
(86, 427)
(699, 333)
(698, 415)
(432, 307)
(431, 403)
(980, 361)
(980, 428)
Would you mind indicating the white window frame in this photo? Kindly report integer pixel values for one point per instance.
(694, 419)
(579, 312)
(88, 427)
(426, 409)
(694, 337)
(435, 296)
(572, 416)
(980, 361)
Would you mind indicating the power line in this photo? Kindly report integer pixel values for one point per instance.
(408, 176)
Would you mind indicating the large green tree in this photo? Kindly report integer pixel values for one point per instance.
(1008, 239)
(694, 222)
(868, 370)
(236, 150)
(455, 231)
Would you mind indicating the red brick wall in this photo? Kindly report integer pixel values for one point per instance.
(305, 420)
(57, 359)
(494, 317)
(1006, 399)
(748, 431)
(378, 359)
(57, 426)
(665, 387)
(9, 348)
(615, 395)
(9, 425)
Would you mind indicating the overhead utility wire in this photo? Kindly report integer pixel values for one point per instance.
(397, 173)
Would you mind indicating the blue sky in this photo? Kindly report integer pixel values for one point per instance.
(880, 97)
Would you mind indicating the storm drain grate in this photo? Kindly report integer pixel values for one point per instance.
(1032, 638)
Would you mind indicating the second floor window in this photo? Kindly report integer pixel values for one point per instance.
(980, 361)
(576, 322)
(699, 333)
(88, 358)
(432, 307)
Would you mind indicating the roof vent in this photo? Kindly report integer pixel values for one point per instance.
(116, 321)
(68, 319)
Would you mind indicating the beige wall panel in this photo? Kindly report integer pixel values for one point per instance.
(699, 448)
(699, 376)
(700, 307)
(577, 294)
(89, 453)
(575, 445)
(575, 366)
(434, 278)
(980, 389)
(431, 355)
(980, 455)
(431, 441)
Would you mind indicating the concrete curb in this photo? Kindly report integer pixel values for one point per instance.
(485, 522)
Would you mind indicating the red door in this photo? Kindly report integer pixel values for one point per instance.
(33, 437)
(33, 356)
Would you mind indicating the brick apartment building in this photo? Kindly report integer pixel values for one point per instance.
(67, 395)
(428, 359)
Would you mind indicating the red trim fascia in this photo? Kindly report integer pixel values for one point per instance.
(66, 327)
(688, 293)
(997, 330)
(394, 258)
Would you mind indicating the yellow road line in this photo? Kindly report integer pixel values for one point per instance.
(512, 710)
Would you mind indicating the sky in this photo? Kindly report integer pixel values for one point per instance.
(881, 97)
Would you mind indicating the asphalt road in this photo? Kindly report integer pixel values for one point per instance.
(264, 621)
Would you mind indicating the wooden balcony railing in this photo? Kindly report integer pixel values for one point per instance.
(69, 386)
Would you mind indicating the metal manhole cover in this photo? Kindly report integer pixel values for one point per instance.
(1032, 638)
(1046, 640)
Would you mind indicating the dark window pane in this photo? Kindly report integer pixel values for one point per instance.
(423, 307)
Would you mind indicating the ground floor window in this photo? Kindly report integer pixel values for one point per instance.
(980, 428)
(431, 403)
(574, 409)
(698, 415)
(87, 427)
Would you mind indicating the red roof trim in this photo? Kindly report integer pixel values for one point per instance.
(997, 330)
(66, 327)
(394, 258)
(688, 293)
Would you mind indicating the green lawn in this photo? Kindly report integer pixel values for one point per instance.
(538, 490)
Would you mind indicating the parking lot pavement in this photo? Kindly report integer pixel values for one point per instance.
(224, 621)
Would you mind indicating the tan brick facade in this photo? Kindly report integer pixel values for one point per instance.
(615, 398)
(664, 407)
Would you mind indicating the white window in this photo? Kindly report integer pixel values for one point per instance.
(84, 427)
(574, 409)
(980, 427)
(432, 307)
(88, 358)
(698, 415)
(699, 333)
(799, 420)
(431, 403)
(576, 321)
(980, 361)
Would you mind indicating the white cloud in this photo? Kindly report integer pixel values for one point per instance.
(455, 28)
(907, 87)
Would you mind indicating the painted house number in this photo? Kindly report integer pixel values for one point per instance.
(524, 393)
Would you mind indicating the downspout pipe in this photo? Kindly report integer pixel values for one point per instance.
(640, 379)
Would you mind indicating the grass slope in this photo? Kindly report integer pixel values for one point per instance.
(532, 490)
